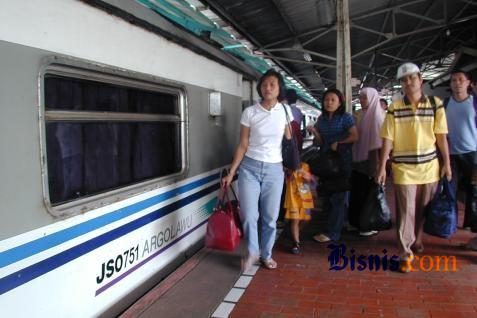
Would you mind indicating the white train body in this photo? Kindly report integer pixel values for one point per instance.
(75, 244)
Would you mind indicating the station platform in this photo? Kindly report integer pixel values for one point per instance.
(211, 284)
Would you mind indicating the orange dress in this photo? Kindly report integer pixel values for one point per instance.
(298, 197)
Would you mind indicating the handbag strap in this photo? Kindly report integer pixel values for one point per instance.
(447, 189)
(288, 121)
(235, 195)
(231, 188)
(223, 197)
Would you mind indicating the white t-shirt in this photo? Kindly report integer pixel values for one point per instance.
(266, 131)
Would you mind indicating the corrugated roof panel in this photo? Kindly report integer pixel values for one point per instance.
(383, 34)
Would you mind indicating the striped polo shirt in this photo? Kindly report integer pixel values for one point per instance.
(413, 129)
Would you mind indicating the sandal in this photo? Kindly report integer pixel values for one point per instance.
(269, 263)
(296, 248)
(321, 238)
(248, 262)
(418, 248)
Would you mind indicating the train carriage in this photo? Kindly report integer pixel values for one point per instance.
(113, 137)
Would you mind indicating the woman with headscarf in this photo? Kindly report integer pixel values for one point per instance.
(365, 152)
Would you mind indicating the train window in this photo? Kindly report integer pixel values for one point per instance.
(81, 95)
(102, 136)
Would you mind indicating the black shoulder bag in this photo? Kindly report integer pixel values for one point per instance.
(290, 153)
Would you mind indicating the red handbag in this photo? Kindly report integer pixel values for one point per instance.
(223, 232)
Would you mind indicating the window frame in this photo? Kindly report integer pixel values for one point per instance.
(77, 69)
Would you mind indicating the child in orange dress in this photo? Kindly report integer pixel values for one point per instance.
(298, 201)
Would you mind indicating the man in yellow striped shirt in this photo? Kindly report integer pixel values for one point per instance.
(412, 128)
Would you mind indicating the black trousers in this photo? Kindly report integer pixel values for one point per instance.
(463, 167)
(360, 187)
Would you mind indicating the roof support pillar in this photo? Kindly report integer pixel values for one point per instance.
(343, 52)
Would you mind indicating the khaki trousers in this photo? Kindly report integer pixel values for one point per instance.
(411, 201)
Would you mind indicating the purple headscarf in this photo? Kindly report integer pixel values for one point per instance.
(369, 127)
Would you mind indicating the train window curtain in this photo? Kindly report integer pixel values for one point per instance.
(103, 150)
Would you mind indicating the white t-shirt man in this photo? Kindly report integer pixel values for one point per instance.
(266, 131)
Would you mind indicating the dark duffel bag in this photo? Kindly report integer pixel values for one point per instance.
(323, 163)
(441, 213)
(375, 214)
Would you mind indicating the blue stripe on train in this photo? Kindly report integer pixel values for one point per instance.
(31, 248)
(29, 273)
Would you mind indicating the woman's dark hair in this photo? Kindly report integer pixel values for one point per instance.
(281, 83)
(341, 109)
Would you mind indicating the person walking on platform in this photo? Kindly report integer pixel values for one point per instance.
(412, 128)
(298, 201)
(369, 120)
(473, 85)
(258, 158)
(335, 130)
(461, 119)
(291, 98)
(472, 244)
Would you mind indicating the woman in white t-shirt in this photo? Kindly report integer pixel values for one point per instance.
(259, 160)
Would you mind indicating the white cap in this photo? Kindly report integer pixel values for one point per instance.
(406, 69)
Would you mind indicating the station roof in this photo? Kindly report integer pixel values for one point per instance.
(300, 36)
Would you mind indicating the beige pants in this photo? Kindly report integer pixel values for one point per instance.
(411, 201)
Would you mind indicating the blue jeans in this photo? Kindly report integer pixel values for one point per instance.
(260, 188)
(337, 205)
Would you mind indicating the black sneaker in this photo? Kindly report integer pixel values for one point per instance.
(296, 248)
